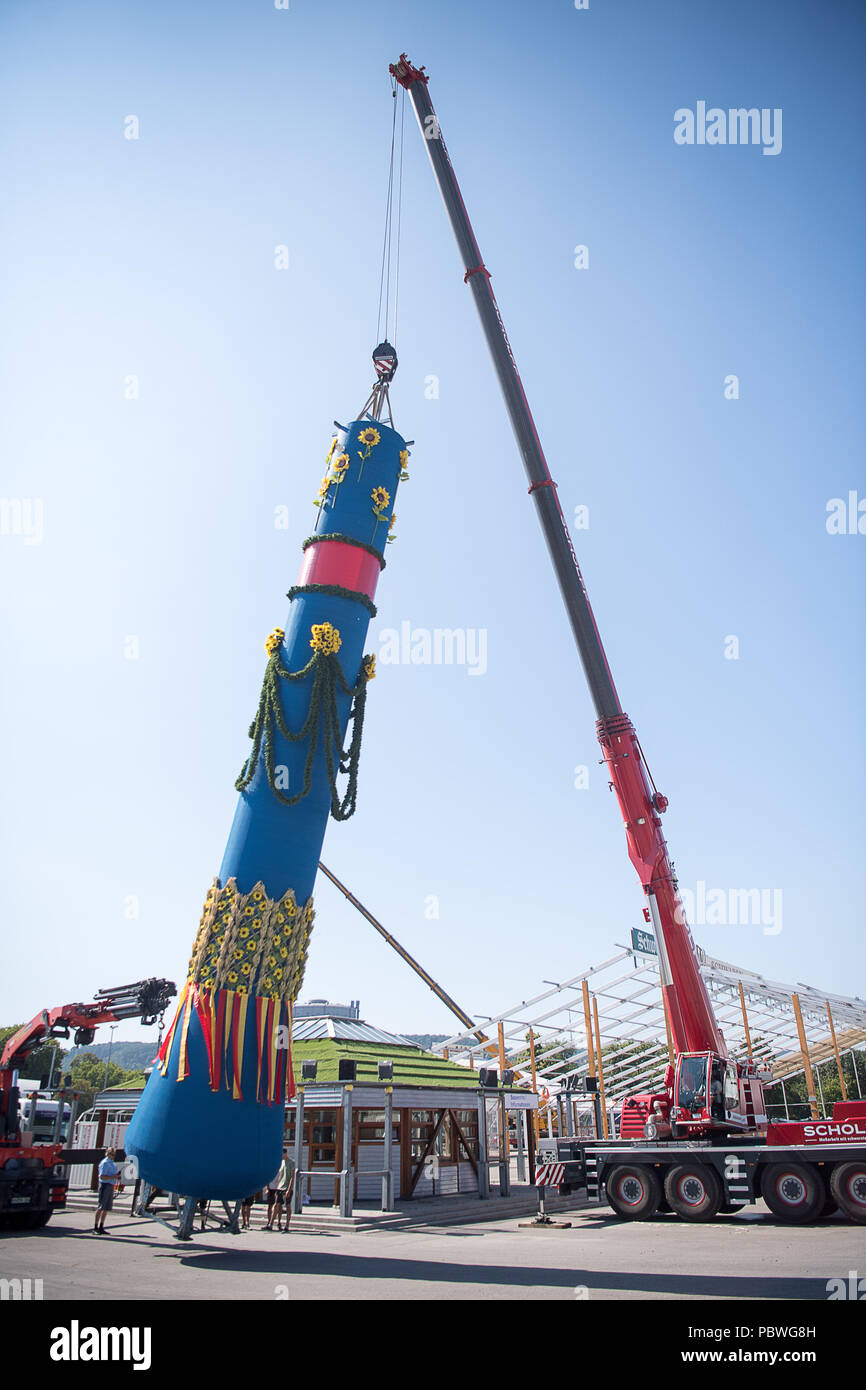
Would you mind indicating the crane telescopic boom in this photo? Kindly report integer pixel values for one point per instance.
(693, 1022)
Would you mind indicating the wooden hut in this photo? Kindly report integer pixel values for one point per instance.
(351, 1076)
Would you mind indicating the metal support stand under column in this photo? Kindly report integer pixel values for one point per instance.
(233, 1217)
(185, 1222)
(180, 1219)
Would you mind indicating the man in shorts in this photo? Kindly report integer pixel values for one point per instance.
(280, 1192)
(109, 1176)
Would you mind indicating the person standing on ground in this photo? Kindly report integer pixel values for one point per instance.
(109, 1176)
(275, 1202)
(280, 1192)
(290, 1171)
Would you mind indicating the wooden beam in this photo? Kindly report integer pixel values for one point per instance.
(429, 1149)
(462, 1139)
(806, 1059)
(600, 1068)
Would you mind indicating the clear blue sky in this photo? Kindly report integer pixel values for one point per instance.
(154, 258)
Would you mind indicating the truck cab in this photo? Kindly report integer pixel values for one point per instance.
(706, 1095)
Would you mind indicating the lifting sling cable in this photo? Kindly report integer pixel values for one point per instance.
(378, 403)
(390, 266)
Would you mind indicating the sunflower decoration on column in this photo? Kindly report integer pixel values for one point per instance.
(325, 639)
(369, 438)
(336, 472)
(381, 498)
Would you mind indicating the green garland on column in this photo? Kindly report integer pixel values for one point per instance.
(334, 591)
(327, 678)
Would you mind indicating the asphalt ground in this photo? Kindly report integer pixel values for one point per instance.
(748, 1257)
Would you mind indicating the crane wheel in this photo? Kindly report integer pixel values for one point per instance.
(633, 1191)
(693, 1191)
(793, 1191)
(848, 1188)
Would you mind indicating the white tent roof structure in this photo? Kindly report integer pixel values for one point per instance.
(627, 994)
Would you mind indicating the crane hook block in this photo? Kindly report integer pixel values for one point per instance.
(385, 361)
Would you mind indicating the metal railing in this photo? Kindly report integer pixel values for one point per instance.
(346, 1178)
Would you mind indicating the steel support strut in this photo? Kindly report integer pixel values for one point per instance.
(693, 1023)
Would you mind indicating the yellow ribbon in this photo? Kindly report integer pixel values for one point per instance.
(181, 1056)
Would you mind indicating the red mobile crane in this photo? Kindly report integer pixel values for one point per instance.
(708, 1097)
(33, 1177)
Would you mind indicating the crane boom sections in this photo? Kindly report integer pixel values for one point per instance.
(541, 486)
(693, 1023)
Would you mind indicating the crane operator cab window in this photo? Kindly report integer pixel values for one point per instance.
(732, 1089)
(717, 1089)
(692, 1087)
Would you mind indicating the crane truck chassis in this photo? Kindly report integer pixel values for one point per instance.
(699, 1179)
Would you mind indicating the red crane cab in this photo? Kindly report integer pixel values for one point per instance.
(704, 1094)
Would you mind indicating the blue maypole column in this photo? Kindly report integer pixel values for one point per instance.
(210, 1121)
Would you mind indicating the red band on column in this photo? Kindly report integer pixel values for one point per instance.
(334, 562)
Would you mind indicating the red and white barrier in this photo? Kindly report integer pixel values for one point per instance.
(550, 1175)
